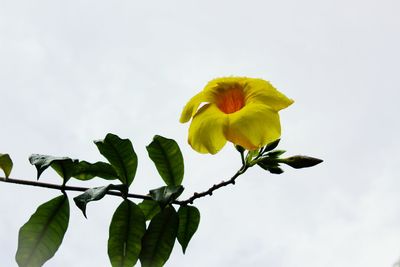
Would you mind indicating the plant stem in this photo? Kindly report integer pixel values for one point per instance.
(190, 200)
(214, 187)
(66, 187)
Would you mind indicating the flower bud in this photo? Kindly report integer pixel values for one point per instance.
(299, 161)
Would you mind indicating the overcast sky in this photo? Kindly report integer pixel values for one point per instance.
(72, 71)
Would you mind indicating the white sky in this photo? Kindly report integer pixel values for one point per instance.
(72, 71)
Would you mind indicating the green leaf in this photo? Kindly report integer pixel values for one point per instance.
(189, 219)
(42, 235)
(127, 228)
(272, 145)
(150, 208)
(270, 164)
(240, 149)
(65, 168)
(62, 165)
(6, 164)
(159, 239)
(275, 153)
(85, 171)
(167, 157)
(271, 169)
(120, 153)
(166, 194)
(299, 162)
(92, 194)
(275, 170)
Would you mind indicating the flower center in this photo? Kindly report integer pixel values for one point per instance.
(231, 99)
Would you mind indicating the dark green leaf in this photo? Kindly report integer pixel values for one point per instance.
(189, 219)
(263, 165)
(275, 153)
(92, 194)
(150, 208)
(266, 162)
(42, 235)
(270, 164)
(62, 165)
(127, 228)
(85, 171)
(65, 168)
(6, 164)
(272, 145)
(167, 157)
(120, 153)
(240, 149)
(299, 162)
(275, 170)
(166, 194)
(159, 239)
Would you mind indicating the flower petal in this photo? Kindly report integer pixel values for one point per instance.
(191, 107)
(253, 126)
(261, 91)
(206, 132)
(216, 85)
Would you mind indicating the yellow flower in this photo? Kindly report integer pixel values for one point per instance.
(241, 110)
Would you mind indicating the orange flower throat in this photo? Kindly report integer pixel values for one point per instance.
(231, 100)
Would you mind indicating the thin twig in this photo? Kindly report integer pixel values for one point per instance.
(214, 187)
(67, 188)
(64, 188)
(242, 158)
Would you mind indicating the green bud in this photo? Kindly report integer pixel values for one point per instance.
(299, 161)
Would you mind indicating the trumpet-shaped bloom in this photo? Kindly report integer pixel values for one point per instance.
(241, 110)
